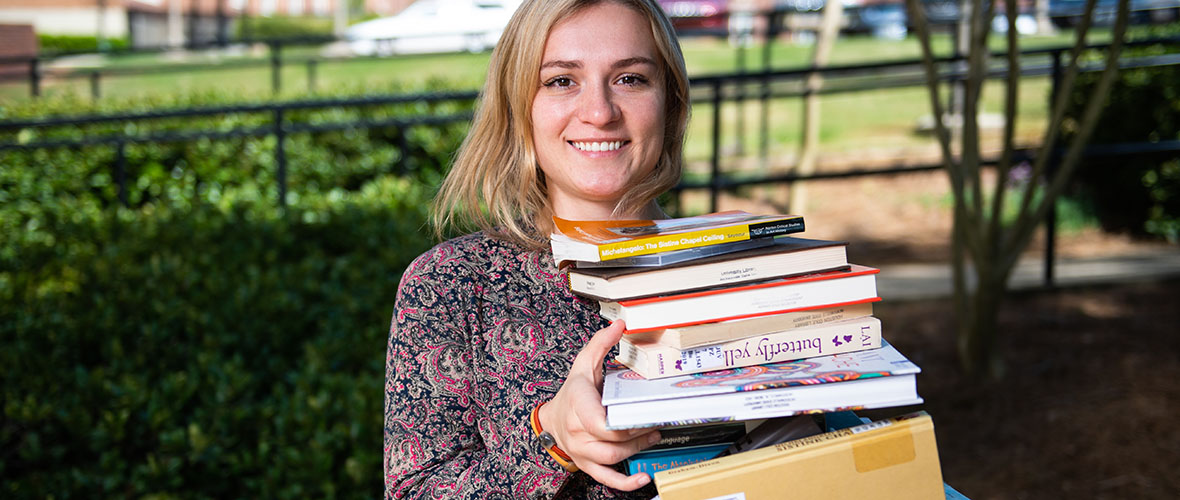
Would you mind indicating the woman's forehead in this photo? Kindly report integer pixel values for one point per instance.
(605, 32)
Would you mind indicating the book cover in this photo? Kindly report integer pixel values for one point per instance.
(670, 458)
(723, 331)
(763, 298)
(895, 458)
(678, 256)
(787, 256)
(655, 360)
(876, 378)
(596, 241)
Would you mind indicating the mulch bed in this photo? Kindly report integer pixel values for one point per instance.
(1086, 408)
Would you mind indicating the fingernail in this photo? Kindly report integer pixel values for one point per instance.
(643, 480)
(653, 438)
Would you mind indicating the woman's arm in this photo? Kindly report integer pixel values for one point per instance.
(434, 447)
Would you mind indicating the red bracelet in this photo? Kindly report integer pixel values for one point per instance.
(548, 442)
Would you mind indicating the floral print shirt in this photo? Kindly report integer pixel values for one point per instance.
(482, 331)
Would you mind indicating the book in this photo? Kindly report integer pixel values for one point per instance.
(655, 360)
(786, 256)
(698, 435)
(678, 256)
(894, 458)
(685, 337)
(763, 298)
(595, 241)
(654, 461)
(775, 431)
(876, 378)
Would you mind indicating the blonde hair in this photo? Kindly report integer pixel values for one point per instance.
(495, 183)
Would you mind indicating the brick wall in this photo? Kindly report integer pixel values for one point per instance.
(16, 40)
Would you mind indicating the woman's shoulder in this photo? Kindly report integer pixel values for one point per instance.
(465, 255)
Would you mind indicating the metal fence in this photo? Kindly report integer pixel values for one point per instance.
(745, 27)
(712, 90)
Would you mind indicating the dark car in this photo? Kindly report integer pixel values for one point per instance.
(698, 17)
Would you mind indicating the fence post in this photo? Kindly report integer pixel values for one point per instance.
(715, 158)
(35, 76)
(312, 64)
(403, 150)
(280, 157)
(772, 22)
(740, 97)
(95, 90)
(1050, 169)
(121, 171)
(276, 66)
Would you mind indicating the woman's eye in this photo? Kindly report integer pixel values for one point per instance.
(632, 80)
(560, 81)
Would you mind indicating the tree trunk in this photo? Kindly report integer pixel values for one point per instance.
(980, 342)
(829, 29)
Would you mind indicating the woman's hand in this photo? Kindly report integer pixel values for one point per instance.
(576, 418)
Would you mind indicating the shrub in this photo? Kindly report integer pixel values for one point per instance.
(1140, 196)
(205, 353)
(56, 44)
(282, 27)
(202, 342)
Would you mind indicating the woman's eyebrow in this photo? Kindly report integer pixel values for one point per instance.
(562, 64)
(621, 63)
(632, 61)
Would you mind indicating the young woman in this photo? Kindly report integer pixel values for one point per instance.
(494, 367)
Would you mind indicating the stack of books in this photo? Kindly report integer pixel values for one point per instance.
(730, 319)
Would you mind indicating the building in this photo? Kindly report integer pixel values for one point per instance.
(155, 23)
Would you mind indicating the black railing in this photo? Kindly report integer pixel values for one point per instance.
(773, 24)
(716, 90)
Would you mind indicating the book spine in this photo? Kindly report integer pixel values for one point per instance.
(776, 228)
(714, 333)
(750, 302)
(703, 237)
(699, 435)
(653, 360)
(652, 462)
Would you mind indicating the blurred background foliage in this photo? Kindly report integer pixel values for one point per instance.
(1139, 196)
(201, 342)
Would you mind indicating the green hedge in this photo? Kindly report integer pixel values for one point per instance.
(284, 27)
(55, 44)
(1137, 196)
(203, 343)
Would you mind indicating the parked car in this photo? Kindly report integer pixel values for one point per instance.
(698, 17)
(1067, 13)
(429, 26)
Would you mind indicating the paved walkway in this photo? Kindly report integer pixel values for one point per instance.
(928, 281)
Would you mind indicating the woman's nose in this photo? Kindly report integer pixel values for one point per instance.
(596, 106)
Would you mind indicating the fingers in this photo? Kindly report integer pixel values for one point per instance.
(614, 479)
(608, 452)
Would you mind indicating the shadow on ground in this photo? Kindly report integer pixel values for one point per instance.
(1086, 410)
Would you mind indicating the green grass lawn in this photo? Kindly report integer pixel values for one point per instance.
(868, 119)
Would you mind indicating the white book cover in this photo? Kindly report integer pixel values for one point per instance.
(875, 378)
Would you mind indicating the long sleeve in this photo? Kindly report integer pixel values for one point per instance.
(442, 439)
(482, 331)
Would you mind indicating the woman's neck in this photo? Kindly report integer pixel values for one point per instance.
(598, 211)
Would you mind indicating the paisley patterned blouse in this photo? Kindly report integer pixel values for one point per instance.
(483, 330)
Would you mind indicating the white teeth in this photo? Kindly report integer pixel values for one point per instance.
(595, 147)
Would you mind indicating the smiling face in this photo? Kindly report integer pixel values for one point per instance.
(598, 115)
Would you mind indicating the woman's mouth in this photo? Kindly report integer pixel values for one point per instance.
(597, 147)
